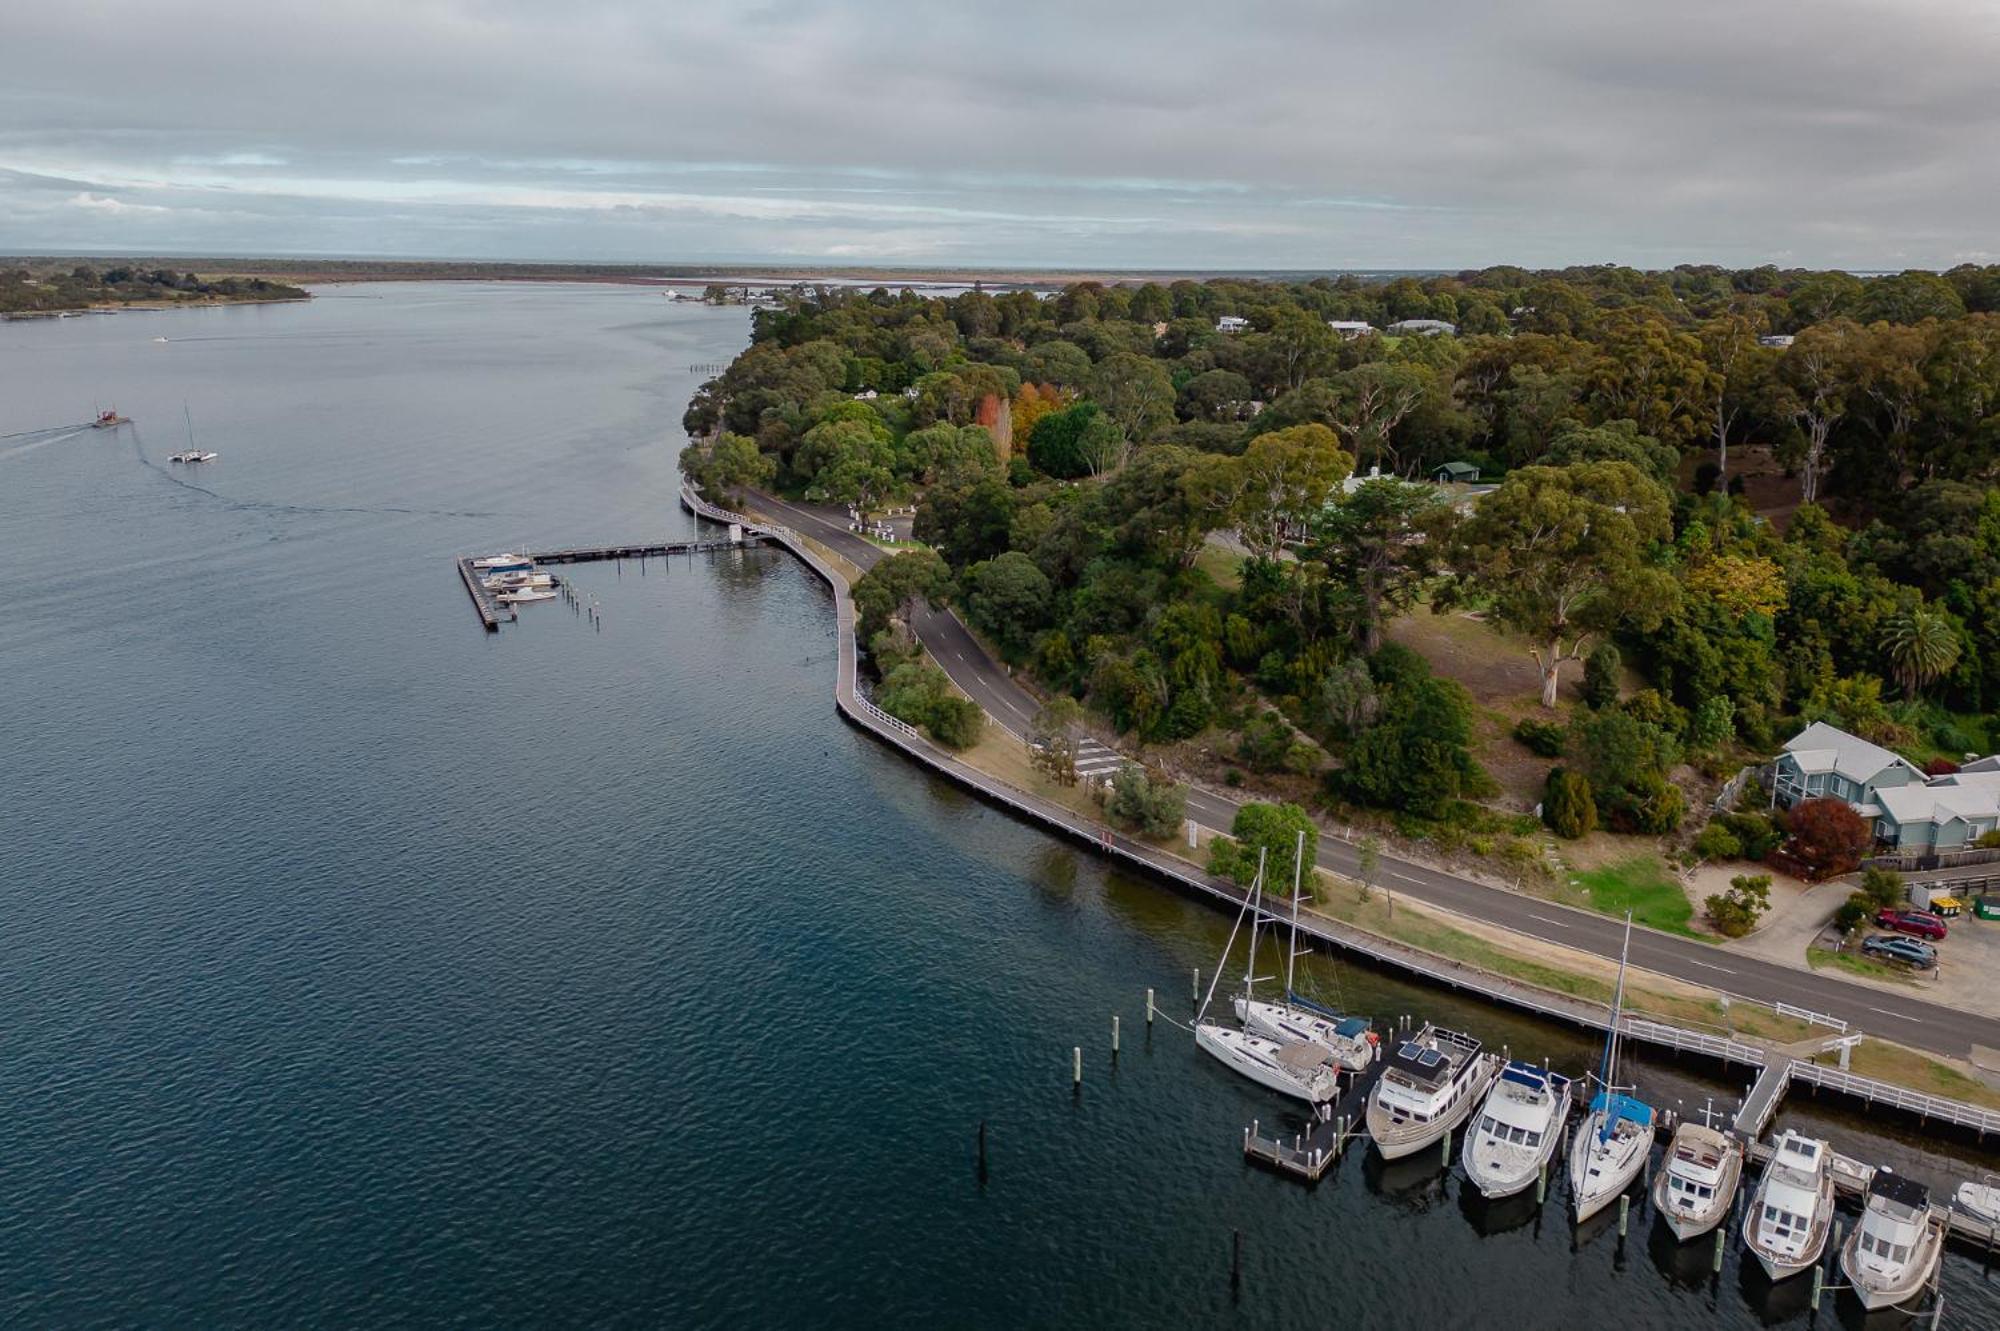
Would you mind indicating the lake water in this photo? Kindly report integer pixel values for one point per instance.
(358, 967)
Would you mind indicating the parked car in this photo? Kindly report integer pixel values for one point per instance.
(1919, 922)
(1908, 951)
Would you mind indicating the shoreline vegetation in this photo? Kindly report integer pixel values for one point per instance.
(40, 289)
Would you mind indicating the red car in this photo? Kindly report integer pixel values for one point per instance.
(1919, 922)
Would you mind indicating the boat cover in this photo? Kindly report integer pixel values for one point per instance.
(1622, 1106)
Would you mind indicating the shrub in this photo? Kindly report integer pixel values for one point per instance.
(1600, 675)
(1151, 805)
(1755, 832)
(919, 693)
(1272, 829)
(1881, 888)
(1648, 803)
(1717, 842)
(1736, 911)
(1940, 767)
(1567, 804)
(1544, 739)
(1265, 742)
(955, 722)
(1714, 723)
(1988, 840)
(1827, 839)
(1852, 912)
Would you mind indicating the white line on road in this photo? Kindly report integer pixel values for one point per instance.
(1560, 924)
(1886, 1012)
(1405, 877)
(1708, 965)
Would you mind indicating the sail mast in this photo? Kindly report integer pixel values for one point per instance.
(1617, 1008)
(1292, 955)
(1257, 895)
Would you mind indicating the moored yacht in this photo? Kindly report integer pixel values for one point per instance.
(1617, 1134)
(1792, 1208)
(1695, 1190)
(1349, 1040)
(1301, 1070)
(503, 563)
(1981, 1200)
(1893, 1253)
(1517, 1129)
(518, 578)
(525, 596)
(1433, 1081)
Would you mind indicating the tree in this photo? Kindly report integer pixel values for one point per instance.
(893, 588)
(1078, 441)
(1882, 889)
(1825, 838)
(1273, 830)
(1136, 392)
(1151, 805)
(1376, 540)
(1054, 737)
(1729, 344)
(1601, 672)
(1920, 646)
(733, 464)
(1562, 552)
(1735, 912)
(1008, 598)
(1818, 371)
(1568, 807)
(1286, 477)
(1375, 398)
(1619, 441)
(1417, 757)
(1655, 377)
(1368, 862)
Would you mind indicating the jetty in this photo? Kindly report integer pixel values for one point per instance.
(743, 534)
(1309, 1154)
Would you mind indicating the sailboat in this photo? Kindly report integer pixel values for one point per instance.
(1290, 1067)
(190, 453)
(1617, 1135)
(1298, 1020)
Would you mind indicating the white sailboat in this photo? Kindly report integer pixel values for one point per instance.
(1792, 1208)
(1697, 1186)
(1294, 1021)
(1616, 1137)
(1517, 1130)
(1893, 1253)
(1296, 1068)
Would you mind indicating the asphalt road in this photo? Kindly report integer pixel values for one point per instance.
(1906, 1020)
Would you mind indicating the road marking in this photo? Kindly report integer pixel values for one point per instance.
(1405, 877)
(1886, 1012)
(1560, 924)
(1708, 965)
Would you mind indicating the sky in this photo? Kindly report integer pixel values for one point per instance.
(1109, 134)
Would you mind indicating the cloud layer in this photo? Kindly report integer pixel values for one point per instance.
(1273, 133)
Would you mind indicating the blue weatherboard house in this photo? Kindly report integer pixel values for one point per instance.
(1907, 809)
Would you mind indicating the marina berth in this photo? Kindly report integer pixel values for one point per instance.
(1431, 1084)
(1695, 1190)
(1792, 1209)
(1894, 1252)
(1517, 1130)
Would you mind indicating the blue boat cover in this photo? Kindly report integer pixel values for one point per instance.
(1353, 1028)
(1525, 1074)
(1623, 1106)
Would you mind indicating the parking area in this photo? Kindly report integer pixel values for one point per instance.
(1968, 963)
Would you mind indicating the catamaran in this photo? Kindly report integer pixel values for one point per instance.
(1792, 1208)
(1299, 1020)
(1695, 1190)
(1432, 1082)
(1617, 1134)
(1893, 1253)
(1517, 1130)
(1296, 1068)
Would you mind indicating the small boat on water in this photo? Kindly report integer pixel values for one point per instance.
(1616, 1137)
(109, 420)
(1980, 1200)
(1300, 1021)
(1517, 1130)
(517, 579)
(526, 596)
(1433, 1081)
(1792, 1209)
(192, 455)
(503, 563)
(1694, 1192)
(1894, 1252)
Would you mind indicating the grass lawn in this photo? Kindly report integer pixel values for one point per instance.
(1907, 1067)
(1819, 957)
(1642, 886)
(1224, 567)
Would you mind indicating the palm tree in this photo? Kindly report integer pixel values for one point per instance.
(1920, 647)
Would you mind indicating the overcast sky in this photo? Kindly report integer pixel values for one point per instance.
(1080, 133)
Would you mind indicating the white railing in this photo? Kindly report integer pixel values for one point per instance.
(1809, 1017)
(1882, 1092)
(1675, 1037)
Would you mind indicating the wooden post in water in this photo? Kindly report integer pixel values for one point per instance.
(1235, 1259)
(1076, 1067)
(982, 1150)
(1541, 1183)
(1114, 1035)
(1149, 1008)
(1716, 1265)
(1624, 1212)
(1819, 1278)
(1194, 988)
(1447, 1150)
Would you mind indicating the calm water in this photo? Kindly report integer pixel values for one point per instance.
(358, 967)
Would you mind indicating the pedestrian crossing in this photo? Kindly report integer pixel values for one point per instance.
(1095, 761)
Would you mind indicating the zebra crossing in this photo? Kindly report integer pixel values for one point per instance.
(1096, 762)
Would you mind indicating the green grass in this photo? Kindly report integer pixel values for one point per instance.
(1819, 957)
(1224, 567)
(1641, 886)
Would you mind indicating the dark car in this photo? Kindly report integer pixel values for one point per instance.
(1888, 947)
(1919, 922)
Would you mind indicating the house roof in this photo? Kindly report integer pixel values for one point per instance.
(1824, 748)
(1456, 469)
(1423, 326)
(1961, 795)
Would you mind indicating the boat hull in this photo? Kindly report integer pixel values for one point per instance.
(1877, 1290)
(1618, 1163)
(1275, 1021)
(1396, 1140)
(1498, 1176)
(1229, 1048)
(1692, 1224)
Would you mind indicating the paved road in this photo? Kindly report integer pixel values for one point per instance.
(1906, 1020)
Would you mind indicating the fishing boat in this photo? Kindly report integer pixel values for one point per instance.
(1894, 1252)
(517, 579)
(1980, 1200)
(503, 563)
(1299, 1069)
(109, 420)
(1433, 1081)
(1517, 1130)
(1792, 1208)
(526, 596)
(1298, 1020)
(1616, 1137)
(1695, 1190)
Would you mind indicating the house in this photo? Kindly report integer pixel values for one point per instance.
(1350, 329)
(1422, 328)
(1455, 473)
(1945, 813)
(1232, 323)
(1824, 760)
(1778, 340)
(1907, 810)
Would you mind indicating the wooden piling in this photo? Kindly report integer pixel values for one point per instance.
(1149, 1007)
(1114, 1035)
(1076, 1067)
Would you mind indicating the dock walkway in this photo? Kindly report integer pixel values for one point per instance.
(1307, 1155)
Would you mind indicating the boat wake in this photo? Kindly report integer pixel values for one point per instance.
(260, 506)
(64, 432)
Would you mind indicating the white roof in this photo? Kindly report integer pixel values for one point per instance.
(1423, 326)
(1824, 748)
(1358, 325)
(1966, 795)
(1990, 763)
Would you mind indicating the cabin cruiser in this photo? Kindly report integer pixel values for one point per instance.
(1792, 1208)
(1893, 1253)
(1348, 1039)
(1298, 1069)
(1981, 1200)
(503, 563)
(1696, 1189)
(516, 579)
(525, 595)
(109, 420)
(1610, 1149)
(1432, 1083)
(1517, 1129)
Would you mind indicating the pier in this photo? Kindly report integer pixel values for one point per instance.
(1307, 1155)
(492, 612)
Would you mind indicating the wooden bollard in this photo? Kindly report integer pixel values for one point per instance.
(1716, 1264)
(1194, 988)
(1624, 1212)
(1235, 1259)
(1149, 1007)
(982, 1150)
(1541, 1184)
(1114, 1034)
(1447, 1150)
(1819, 1278)
(1076, 1067)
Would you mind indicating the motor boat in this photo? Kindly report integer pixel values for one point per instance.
(517, 579)
(1792, 1209)
(1894, 1252)
(1695, 1190)
(1432, 1082)
(109, 420)
(526, 596)
(192, 455)
(1517, 1129)
(1980, 1200)
(1303, 1071)
(503, 563)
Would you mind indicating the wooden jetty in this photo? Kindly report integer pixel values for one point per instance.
(1307, 1155)
(491, 611)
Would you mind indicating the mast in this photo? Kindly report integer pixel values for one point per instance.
(190, 423)
(1257, 895)
(1292, 955)
(1611, 1037)
(1222, 961)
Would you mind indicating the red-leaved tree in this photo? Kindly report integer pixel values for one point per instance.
(1826, 838)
